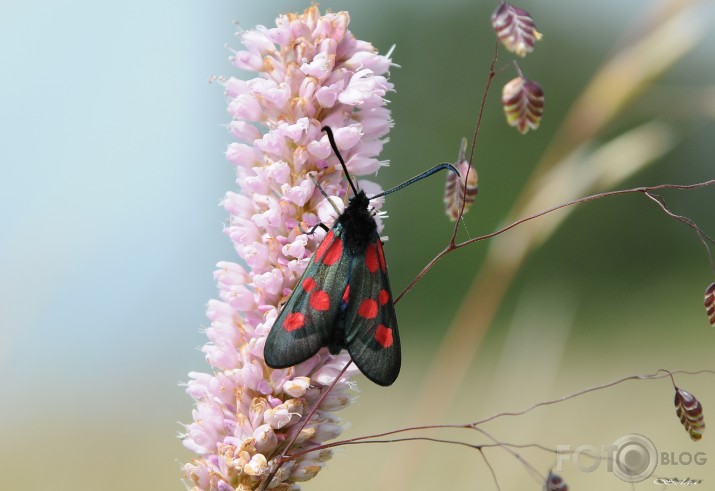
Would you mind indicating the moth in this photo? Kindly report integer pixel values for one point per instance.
(344, 300)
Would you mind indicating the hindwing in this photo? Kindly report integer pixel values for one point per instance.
(371, 335)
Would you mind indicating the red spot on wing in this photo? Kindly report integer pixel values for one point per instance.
(384, 297)
(368, 309)
(308, 284)
(324, 245)
(319, 300)
(294, 320)
(346, 295)
(381, 253)
(371, 258)
(334, 253)
(383, 335)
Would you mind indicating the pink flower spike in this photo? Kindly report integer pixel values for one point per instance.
(310, 72)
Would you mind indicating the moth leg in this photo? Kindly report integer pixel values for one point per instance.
(312, 230)
(322, 191)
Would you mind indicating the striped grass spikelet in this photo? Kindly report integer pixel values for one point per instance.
(455, 191)
(710, 303)
(690, 412)
(515, 29)
(555, 483)
(523, 103)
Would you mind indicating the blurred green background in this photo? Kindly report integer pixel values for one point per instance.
(112, 157)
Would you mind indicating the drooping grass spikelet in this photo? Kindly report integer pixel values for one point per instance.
(454, 190)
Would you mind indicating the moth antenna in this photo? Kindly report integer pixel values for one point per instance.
(427, 173)
(331, 138)
(322, 191)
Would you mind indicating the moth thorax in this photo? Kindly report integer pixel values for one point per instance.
(359, 227)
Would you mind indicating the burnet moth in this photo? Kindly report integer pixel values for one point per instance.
(343, 300)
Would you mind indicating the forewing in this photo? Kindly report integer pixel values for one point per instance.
(310, 314)
(370, 322)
